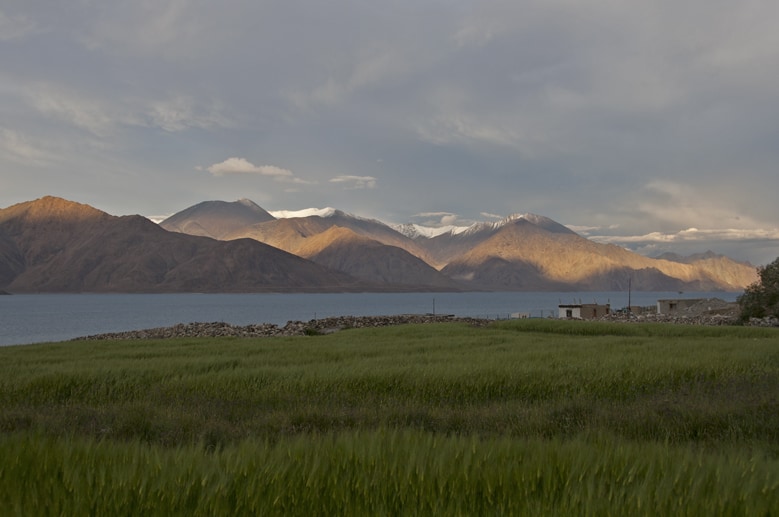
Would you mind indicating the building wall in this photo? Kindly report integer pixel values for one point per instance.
(672, 305)
(570, 311)
(591, 311)
(585, 311)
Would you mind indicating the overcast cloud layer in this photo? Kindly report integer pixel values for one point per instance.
(653, 125)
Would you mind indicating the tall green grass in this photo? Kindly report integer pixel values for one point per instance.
(507, 380)
(518, 417)
(382, 472)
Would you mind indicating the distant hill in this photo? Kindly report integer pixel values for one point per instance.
(290, 234)
(54, 245)
(521, 254)
(342, 249)
(216, 219)
(444, 248)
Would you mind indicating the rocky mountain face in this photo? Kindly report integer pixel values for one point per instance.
(57, 245)
(54, 245)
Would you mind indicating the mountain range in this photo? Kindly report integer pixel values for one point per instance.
(55, 245)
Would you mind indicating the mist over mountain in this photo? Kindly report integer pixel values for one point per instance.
(56, 245)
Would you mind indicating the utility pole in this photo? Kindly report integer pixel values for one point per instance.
(630, 312)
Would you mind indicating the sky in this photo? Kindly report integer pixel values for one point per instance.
(650, 125)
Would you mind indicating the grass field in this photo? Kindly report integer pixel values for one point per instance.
(522, 417)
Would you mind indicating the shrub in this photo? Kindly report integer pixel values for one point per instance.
(761, 299)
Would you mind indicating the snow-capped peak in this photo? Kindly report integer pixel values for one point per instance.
(413, 231)
(531, 218)
(306, 212)
(534, 219)
(418, 231)
(248, 202)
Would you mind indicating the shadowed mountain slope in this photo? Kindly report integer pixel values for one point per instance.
(216, 219)
(342, 249)
(69, 247)
(521, 253)
(290, 234)
(54, 245)
(446, 247)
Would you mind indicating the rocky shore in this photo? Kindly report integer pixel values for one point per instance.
(712, 312)
(692, 319)
(292, 328)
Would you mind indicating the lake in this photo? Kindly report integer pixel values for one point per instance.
(34, 318)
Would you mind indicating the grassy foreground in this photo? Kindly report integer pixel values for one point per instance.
(524, 417)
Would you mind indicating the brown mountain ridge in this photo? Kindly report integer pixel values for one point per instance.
(523, 252)
(522, 255)
(344, 250)
(55, 245)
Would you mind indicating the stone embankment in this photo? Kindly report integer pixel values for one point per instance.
(292, 328)
(677, 319)
(696, 319)
(711, 311)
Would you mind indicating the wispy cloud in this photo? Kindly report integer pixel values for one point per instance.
(755, 245)
(243, 166)
(680, 204)
(587, 230)
(103, 118)
(693, 235)
(355, 182)
(88, 114)
(367, 69)
(21, 149)
(436, 219)
(181, 112)
(449, 129)
(15, 27)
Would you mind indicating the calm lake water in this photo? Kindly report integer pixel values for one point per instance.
(38, 318)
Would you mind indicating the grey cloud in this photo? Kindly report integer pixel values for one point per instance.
(15, 26)
(655, 117)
